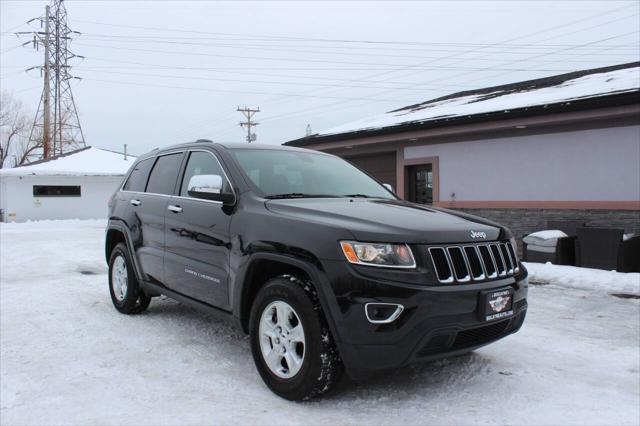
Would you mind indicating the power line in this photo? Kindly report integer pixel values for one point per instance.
(332, 104)
(560, 50)
(9, 49)
(286, 83)
(10, 30)
(287, 38)
(343, 49)
(240, 71)
(458, 55)
(582, 54)
(342, 98)
(448, 45)
(528, 58)
(368, 64)
(518, 38)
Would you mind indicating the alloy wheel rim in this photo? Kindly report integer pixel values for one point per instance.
(119, 278)
(282, 339)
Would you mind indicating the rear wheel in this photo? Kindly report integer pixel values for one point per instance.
(126, 294)
(291, 343)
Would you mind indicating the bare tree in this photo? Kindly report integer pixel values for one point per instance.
(14, 140)
(29, 150)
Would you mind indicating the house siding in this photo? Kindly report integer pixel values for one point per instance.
(586, 165)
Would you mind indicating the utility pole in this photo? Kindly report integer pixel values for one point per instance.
(248, 114)
(46, 92)
(59, 132)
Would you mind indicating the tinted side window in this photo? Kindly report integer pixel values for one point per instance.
(164, 174)
(138, 177)
(202, 163)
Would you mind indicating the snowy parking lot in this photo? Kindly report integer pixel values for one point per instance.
(67, 357)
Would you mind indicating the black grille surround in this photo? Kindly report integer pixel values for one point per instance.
(473, 262)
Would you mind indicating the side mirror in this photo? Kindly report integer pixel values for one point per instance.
(208, 187)
(389, 187)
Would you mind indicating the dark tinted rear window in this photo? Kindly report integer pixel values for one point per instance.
(138, 177)
(164, 174)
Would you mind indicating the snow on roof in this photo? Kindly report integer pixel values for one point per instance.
(595, 83)
(86, 161)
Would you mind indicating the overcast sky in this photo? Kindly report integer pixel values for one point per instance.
(162, 72)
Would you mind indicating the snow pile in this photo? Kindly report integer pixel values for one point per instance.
(90, 161)
(589, 86)
(584, 278)
(550, 234)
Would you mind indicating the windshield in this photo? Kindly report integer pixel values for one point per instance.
(291, 174)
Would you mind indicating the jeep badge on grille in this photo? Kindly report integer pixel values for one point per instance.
(480, 234)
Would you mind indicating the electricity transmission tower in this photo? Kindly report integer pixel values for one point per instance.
(249, 113)
(56, 126)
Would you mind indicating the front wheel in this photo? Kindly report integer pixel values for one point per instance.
(291, 343)
(126, 294)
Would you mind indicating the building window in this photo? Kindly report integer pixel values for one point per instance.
(56, 191)
(421, 183)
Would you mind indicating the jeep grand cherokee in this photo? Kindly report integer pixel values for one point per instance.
(323, 266)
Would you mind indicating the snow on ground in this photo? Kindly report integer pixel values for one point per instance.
(584, 278)
(67, 357)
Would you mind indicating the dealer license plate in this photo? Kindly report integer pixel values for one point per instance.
(498, 304)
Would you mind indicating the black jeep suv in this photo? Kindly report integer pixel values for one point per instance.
(322, 265)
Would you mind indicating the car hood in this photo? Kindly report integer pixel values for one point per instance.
(390, 220)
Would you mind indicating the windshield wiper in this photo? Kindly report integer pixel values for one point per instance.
(298, 195)
(359, 196)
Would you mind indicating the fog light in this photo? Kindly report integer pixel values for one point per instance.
(382, 313)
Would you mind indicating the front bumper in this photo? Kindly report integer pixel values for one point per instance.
(437, 320)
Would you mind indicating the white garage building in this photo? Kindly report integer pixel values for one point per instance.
(76, 185)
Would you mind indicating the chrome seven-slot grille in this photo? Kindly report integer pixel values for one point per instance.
(474, 262)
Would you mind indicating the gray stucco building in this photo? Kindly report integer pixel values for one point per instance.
(562, 147)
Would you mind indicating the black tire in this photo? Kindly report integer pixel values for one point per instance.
(321, 367)
(134, 300)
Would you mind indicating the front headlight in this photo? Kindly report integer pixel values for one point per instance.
(376, 254)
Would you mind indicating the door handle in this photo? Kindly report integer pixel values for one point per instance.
(135, 202)
(175, 209)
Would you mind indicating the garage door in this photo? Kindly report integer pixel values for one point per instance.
(380, 166)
